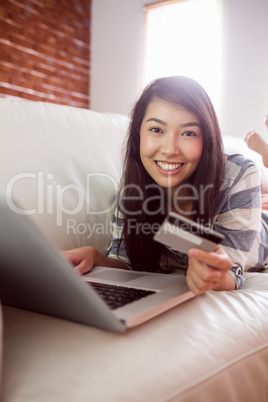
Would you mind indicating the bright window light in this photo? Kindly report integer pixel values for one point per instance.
(184, 38)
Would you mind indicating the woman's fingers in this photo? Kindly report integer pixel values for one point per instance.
(207, 270)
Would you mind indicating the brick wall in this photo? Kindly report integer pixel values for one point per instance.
(44, 50)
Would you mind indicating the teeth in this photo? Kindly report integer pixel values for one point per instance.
(169, 166)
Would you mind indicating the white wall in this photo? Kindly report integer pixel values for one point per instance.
(116, 56)
(245, 70)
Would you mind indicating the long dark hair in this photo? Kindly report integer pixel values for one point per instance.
(138, 189)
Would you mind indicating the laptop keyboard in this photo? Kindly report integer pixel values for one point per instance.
(117, 296)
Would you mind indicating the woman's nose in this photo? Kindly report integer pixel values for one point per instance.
(170, 145)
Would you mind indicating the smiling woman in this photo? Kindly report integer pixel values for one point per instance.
(174, 162)
(173, 130)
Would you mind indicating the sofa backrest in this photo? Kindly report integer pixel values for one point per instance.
(62, 165)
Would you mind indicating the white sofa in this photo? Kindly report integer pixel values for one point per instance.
(211, 348)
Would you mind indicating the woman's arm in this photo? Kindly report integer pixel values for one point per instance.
(238, 217)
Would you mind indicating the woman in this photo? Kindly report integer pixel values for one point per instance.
(175, 161)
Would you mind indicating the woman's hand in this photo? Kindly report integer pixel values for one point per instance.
(83, 258)
(208, 270)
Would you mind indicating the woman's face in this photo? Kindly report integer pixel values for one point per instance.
(171, 143)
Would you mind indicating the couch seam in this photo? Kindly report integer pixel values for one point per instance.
(212, 373)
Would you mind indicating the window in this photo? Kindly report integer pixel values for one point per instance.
(183, 37)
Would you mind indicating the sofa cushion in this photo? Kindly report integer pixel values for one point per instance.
(210, 348)
(62, 164)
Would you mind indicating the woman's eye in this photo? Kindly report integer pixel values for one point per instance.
(156, 130)
(189, 134)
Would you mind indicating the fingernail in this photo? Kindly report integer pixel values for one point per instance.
(193, 252)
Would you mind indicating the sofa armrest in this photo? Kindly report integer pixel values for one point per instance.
(64, 170)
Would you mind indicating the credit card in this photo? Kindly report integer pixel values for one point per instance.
(181, 234)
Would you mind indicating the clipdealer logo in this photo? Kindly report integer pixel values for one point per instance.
(68, 199)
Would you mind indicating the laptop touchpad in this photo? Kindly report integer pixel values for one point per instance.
(122, 276)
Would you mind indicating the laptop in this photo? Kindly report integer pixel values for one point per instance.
(35, 276)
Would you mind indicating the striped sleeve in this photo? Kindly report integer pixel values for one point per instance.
(239, 213)
(117, 248)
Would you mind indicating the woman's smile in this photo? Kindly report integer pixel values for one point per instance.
(169, 167)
